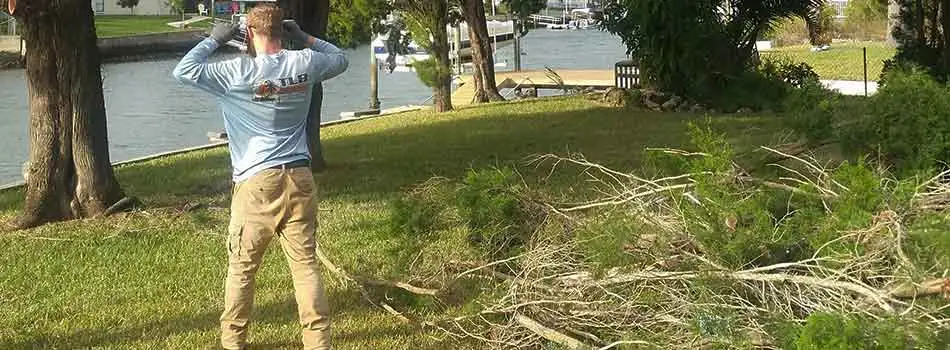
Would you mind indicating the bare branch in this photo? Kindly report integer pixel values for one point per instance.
(550, 334)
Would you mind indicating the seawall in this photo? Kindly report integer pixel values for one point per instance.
(125, 48)
(147, 45)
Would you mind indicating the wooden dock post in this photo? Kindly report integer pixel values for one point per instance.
(373, 80)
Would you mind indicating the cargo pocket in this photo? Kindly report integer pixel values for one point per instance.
(304, 181)
(235, 231)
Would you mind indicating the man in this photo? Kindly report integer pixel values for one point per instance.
(265, 100)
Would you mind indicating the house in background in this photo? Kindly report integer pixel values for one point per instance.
(840, 7)
(144, 8)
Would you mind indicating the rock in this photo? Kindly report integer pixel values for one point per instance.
(672, 103)
(652, 105)
(615, 97)
(697, 108)
(654, 96)
(684, 107)
(744, 110)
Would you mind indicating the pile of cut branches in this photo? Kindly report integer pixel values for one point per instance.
(679, 294)
(719, 256)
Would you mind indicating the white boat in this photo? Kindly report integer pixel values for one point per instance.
(500, 33)
(582, 18)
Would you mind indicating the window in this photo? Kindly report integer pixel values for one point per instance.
(99, 6)
(840, 7)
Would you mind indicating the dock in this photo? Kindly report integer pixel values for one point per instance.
(190, 21)
(537, 79)
(601, 79)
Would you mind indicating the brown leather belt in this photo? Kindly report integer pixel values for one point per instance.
(292, 165)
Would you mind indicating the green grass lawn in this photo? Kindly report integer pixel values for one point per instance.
(113, 26)
(153, 279)
(845, 61)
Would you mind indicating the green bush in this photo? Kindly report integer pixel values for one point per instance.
(688, 48)
(427, 70)
(413, 216)
(853, 209)
(735, 223)
(867, 10)
(833, 331)
(488, 201)
(789, 32)
(827, 331)
(820, 115)
(928, 243)
(907, 123)
(613, 240)
(421, 211)
(753, 90)
(768, 87)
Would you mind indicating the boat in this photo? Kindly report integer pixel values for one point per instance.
(583, 18)
(500, 33)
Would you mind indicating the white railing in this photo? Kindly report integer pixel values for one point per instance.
(7, 24)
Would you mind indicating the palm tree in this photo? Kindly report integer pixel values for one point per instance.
(746, 20)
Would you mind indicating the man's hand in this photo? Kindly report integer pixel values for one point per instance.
(223, 33)
(293, 32)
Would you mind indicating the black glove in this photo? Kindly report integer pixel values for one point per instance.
(223, 33)
(293, 32)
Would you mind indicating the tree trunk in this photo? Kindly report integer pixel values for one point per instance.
(69, 173)
(442, 91)
(893, 20)
(482, 59)
(312, 16)
(944, 6)
(921, 22)
(480, 94)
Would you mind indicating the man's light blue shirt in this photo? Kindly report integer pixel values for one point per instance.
(265, 100)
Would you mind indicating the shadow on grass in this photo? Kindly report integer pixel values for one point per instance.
(154, 330)
(203, 175)
(368, 165)
(11, 200)
(282, 311)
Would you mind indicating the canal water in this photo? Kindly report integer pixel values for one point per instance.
(149, 112)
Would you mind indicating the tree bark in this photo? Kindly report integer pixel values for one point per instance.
(944, 6)
(313, 17)
(442, 90)
(69, 174)
(486, 89)
(893, 20)
(921, 22)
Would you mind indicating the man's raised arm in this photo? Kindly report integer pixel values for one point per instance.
(328, 60)
(194, 69)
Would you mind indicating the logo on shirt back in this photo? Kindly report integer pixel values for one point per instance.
(267, 90)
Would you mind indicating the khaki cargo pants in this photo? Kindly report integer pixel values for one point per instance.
(275, 203)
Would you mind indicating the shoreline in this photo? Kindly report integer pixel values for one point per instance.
(132, 48)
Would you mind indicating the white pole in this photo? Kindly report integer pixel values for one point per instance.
(494, 48)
